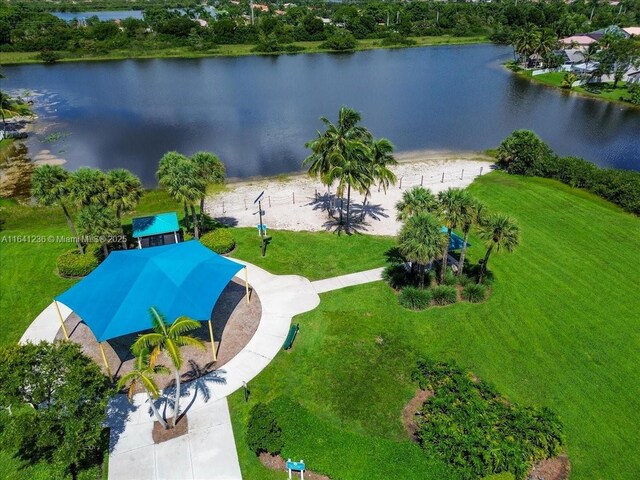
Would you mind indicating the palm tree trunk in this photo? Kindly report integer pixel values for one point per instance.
(196, 230)
(463, 252)
(187, 224)
(156, 412)
(202, 210)
(72, 227)
(348, 204)
(443, 268)
(105, 250)
(484, 264)
(176, 403)
(123, 239)
(421, 267)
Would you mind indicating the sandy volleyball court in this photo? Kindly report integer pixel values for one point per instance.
(298, 202)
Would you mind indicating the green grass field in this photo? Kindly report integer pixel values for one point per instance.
(604, 91)
(561, 329)
(234, 50)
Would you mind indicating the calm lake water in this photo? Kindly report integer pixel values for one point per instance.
(257, 113)
(102, 16)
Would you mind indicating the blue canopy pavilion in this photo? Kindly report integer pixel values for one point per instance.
(157, 230)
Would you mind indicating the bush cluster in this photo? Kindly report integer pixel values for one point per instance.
(220, 240)
(73, 264)
(340, 41)
(415, 298)
(478, 431)
(524, 153)
(444, 295)
(263, 432)
(474, 293)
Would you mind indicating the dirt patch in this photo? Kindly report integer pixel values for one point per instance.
(276, 462)
(556, 468)
(234, 324)
(160, 434)
(411, 409)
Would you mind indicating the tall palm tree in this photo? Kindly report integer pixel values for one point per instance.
(49, 187)
(88, 186)
(500, 233)
(415, 200)
(450, 208)
(589, 54)
(331, 147)
(99, 223)
(350, 167)
(382, 158)
(168, 339)
(124, 191)
(211, 170)
(472, 212)
(180, 176)
(142, 374)
(421, 241)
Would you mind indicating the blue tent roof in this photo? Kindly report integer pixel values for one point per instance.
(155, 224)
(179, 279)
(456, 242)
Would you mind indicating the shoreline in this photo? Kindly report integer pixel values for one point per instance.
(564, 91)
(239, 50)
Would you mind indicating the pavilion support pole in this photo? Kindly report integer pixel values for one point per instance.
(104, 359)
(213, 344)
(64, 328)
(246, 282)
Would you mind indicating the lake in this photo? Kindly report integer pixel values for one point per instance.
(256, 113)
(102, 16)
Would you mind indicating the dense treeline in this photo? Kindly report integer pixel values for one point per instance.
(29, 26)
(524, 153)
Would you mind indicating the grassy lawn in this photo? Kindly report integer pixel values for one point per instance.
(561, 329)
(603, 91)
(9, 58)
(29, 281)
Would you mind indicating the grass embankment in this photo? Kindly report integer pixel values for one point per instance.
(602, 91)
(28, 280)
(236, 50)
(561, 329)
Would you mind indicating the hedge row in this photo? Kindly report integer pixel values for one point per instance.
(220, 240)
(524, 153)
(73, 264)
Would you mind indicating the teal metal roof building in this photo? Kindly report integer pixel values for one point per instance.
(157, 230)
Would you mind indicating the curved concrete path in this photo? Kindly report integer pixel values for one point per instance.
(208, 450)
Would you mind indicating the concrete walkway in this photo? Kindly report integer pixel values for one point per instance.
(208, 450)
(335, 283)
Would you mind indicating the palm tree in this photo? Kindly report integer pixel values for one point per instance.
(211, 171)
(124, 191)
(382, 158)
(589, 54)
(98, 223)
(142, 374)
(568, 79)
(421, 241)
(168, 339)
(472, 212)
(88, 186)
(500, 233)
(180, 176)
(450, 207)
(351, 168)
(49, 187)
(331, 148)
(415, 200)
(547, 43)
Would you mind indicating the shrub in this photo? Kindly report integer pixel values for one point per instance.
(524, 153)
(415, 298)
(48, 56)
(444, 295)
(396, 275)
(450, 278)
(220, 241)
(474, 293)
(263, 432)
(397, 39)
(464, 280)
(340, 41)
(466, 416)
(73, 264)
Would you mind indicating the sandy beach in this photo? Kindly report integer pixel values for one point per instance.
(297, 202)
